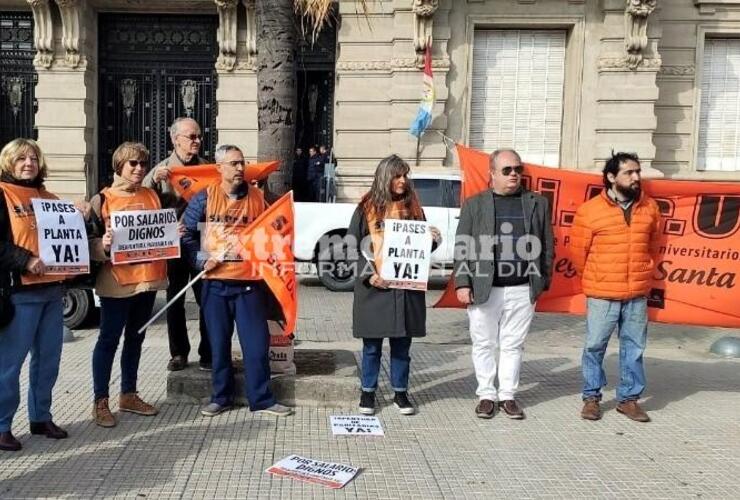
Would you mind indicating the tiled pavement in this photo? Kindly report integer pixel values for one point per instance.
(691, 449)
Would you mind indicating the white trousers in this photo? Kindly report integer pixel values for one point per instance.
(498, 329)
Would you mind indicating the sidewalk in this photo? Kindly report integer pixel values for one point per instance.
(691, 449)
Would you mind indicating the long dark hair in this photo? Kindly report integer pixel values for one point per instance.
(380, 195)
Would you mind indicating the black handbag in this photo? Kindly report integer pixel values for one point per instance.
(7, 309)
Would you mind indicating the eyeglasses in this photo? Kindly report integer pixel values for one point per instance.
(192, 137)
(518, 170)
(234, 163)
(138, 163)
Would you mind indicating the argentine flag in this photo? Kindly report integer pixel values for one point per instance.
(424, 116)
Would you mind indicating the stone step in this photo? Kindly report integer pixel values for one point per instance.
(323, 379)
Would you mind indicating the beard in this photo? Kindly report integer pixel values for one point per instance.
(630, 192)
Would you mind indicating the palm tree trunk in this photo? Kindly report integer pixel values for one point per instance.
(276, 88)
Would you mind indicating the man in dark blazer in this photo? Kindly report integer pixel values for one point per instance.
(503, 261)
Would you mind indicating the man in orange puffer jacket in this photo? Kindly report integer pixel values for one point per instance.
(613, 239)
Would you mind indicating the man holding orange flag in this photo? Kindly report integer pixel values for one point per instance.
(233, 288)
(186, 141)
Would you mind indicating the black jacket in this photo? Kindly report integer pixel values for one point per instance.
(13, 259)
(381, 313)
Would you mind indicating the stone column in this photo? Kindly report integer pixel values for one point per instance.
(237, 77)
(627, 90)
(66, 94)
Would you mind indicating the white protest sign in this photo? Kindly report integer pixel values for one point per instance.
(407, 254)
(62, 236)
(144, 235)
(355, 425)
(314, 471)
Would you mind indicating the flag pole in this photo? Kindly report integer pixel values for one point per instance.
(418, 149)
(168, 304)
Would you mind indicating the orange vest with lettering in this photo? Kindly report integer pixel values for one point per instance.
(140, 272)
(23, 224)
(226, 220)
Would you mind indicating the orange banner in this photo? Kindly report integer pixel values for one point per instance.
(267, 246)
(697, 276)
(187, 181)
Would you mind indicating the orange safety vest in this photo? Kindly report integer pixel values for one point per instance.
(226, 220)
(140, 272)
(23, 224)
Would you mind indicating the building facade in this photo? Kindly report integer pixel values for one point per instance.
(563, 81)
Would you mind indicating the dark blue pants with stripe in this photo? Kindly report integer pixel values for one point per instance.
(225, 303)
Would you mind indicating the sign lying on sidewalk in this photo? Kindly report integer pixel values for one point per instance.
(327, 474)
(356, 425)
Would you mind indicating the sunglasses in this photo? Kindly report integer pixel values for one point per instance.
(192, 137)
(518, 170)
(138, 163)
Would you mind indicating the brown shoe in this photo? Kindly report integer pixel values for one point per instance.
(102, 414)
(511, 409)
(632, 410)
(131, 402)
(591, 409)
(485, 408)
(8, 442)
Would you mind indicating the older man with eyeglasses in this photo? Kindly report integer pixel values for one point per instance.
(186, 140)
(503, 261)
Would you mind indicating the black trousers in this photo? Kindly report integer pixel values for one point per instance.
(179, 273)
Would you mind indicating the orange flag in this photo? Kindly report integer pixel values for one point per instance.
(267, 245)
(187, 181)
(697, 276)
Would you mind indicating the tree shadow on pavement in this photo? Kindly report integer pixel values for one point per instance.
(116, 461)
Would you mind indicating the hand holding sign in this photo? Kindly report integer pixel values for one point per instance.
(35, 266)
(108, 239)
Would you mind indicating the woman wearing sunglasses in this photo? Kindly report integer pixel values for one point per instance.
(31, 312)
(126, 291)
(378, 311)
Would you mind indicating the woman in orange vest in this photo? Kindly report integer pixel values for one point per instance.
(126, 291)
(31, 303)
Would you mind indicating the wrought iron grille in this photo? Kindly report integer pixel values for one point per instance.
(17, 77)
(154, 69)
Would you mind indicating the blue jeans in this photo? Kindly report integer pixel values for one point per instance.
(36, 327)
(117, 315)
(372, 349)
(630, 319)
(223, 304)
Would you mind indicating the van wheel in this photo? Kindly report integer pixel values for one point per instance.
(335, 272)
(77, 306)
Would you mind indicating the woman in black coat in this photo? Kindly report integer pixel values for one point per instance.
(378, 311)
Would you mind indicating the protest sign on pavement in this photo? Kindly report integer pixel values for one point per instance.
(63, 246)
(144, 235)
(327, 474)
(407, 254)
(355, 425)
